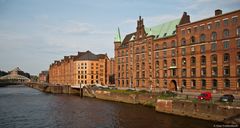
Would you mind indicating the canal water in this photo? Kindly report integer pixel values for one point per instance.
(24, 107)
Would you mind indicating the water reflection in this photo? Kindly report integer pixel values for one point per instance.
(21, 106)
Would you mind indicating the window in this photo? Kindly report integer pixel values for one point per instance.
(193, 40)
(173, 62)
(157, 46)
(184, 61)
(183, 41)
(238, 70)
(164, 73)
(157, 74)
(226, 58)
(157, 64)
(238, 56)
(143, 49)
(217, 25)
(234, 20)
(143, 74)
(122, 53)
(195, 29)
(137, 57)
(214, 84)
(184, 83)
(183, 32)
(225, 22)
(202, 48)
(214, 59)
(214, 71)
(226, 44)
(203, 84)
(157, 55)
(226, 83)
(164, 45)
(203, 72)
(137, 74)
(238, 31)
(209, 26)
(193, 84)
(202, 38)
(183, 51)
(238, 43)
(226, 71)
(137, 66)
(193, 72)
(173, 44)
(203, 60)
(157, 82)
(238, 84)
(143, 65)
(189, 30)
(192, 50)
(164, 63)
(164, 54)
(193, 60)
(184, 72)
(137, 50)
(214, 36)
(225, 33)
(213, 47)
(173, 53)
(201, 27)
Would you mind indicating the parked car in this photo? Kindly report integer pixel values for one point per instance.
(227, 98)
(205, 96)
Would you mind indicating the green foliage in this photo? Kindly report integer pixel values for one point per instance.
(167, 95)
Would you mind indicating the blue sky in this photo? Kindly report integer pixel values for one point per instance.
(34, 33)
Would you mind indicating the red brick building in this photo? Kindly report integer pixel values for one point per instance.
(83, 68)
(201, 55)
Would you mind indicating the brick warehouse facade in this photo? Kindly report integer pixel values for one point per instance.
(85, 68)
(202, 55)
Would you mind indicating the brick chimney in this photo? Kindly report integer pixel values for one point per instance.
(218, 12)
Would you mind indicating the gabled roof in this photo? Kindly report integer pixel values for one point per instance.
(159, 31)
(89, 56)
(163, 30)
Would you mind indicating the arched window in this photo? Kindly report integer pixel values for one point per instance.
(203, 84)
(226, 58)
(203, 60)
(183, 41)
(173, 62)
(193, 40)
(214, 84)
(225, 33)
(202, 38)
(214, 36)
(227, 83)
(193, 60)
(184, 61)
(193, 84)
(214, 59)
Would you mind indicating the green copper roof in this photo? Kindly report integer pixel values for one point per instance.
(163, 30)
(117, 37)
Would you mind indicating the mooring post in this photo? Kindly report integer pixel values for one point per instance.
(81, 91)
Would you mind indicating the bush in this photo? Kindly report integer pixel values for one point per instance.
(167, 95)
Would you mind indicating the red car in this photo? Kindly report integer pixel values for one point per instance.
(205, 96)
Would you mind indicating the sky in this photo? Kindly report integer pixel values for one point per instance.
(34, 33)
